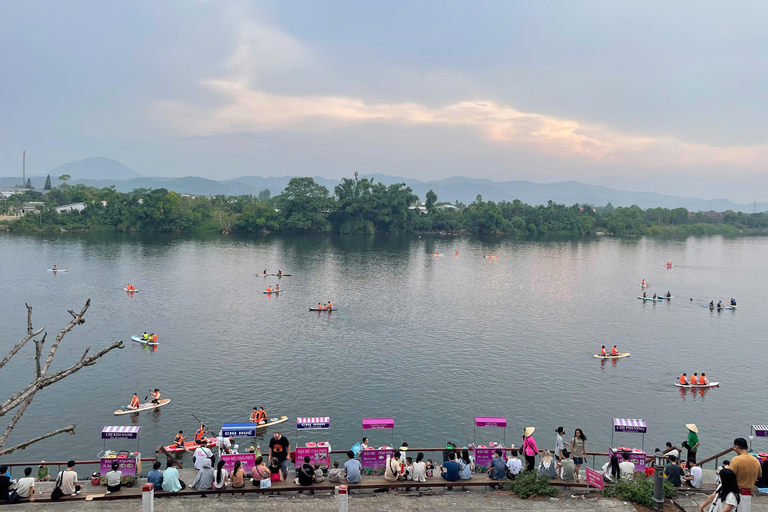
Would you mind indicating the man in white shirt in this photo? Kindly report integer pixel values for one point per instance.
(224, 444)
(626, 468)
(672, 450)
(68, 481)
(25, 487)
(201, 454)
(694, 479)
(514, 466)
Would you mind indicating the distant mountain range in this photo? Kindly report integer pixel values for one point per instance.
(104, 172)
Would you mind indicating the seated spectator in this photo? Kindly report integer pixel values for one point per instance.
(567, 473)
(673, 472)
(69, 485)
(205, 477)
(514, 465)
(611, 470)
(695, 475)
(114, 479)
(305, 472)
(25, 487)
(626, 468)
(43, 474)
(466, 467)
(171, 481)
(408, 474)
(155, 477)
(237, 476)
(274, 470)
(498, 468)
(335, 473)
(450, 469)
(392, 469)
(319, 475)
(259, 472)
(221, 475)
(548, 465)
(419, 469)
(6, 484)
(352, 468)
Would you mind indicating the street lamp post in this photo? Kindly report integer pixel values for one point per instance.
(659, 463)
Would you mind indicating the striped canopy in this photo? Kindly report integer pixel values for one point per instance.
(121, 432)
(629, 425)
(313, 423)
(760, 430)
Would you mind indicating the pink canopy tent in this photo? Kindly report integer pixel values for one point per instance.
(629, 425)
(379, 423)
(489, 421)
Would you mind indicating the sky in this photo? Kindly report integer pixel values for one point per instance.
(669, 97)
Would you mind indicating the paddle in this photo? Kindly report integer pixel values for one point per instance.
(149, 393)
(201, 422)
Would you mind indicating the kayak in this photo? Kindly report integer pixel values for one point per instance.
(149, 406)
(315, 309)
(281, 275)
(621, 354)
(208, 442)
(695, 386)
(657, 299)
(138, 339)
(130, 291)
(273, 291)
(57, 270)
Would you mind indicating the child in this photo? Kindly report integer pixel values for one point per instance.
(409, 468)
(274, 470)
(430, 468)
(319, 475)
(335, 474)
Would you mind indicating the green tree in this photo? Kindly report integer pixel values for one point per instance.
(431, 200)
(47, 185)
(65, 178)
(29, 184)
(305, 206)
(264, 194)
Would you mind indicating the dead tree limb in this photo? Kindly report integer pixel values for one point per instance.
(23, 398)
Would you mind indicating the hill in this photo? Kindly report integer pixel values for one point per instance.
(96, 168)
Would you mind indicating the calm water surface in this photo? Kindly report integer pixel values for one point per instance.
(430, 341)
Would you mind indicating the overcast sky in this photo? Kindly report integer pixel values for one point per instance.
(666, 96)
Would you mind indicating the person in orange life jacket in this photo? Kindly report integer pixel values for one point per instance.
(134, 402)
(694, 379)
(262, 416)
(269, 288)
(156, 396)
(199, 433)
(614, 351)
(684, 379)
(602, 351)
(330, 305)
(254, 416)
(178, 441)
(153, 338)
(703, 379)
(277, 287)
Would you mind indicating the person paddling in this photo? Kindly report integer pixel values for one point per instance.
(330, 305)
(269, 289)
(645, 295)
(669, 295)
(711, 304)
(277, 287)
(654, 296)
(178, 441)
(733, 302)
(602, 351)
(145, 336)
(156, 396)
(319, 306)
(199, 433)
(614, 351)
(719, 304)
(684, 379)
(703, 380)
(695, 379)
(643, 283)
(134, 402)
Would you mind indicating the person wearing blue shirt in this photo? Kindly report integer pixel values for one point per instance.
(450, 469)
(155, 476)
(352, 468)
(499, 466)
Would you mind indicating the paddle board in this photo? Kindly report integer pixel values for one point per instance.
(315, 309)
(657, 299)
(58, 270)
(722, 307)
(281, 275)
(646, 285)
(710, 385)
(273, 421)
(621, 354)
(273, 291)
(262, 275)
(209, 442)
(663, 297)
(138, 339)
(130, 291)
(149, 406)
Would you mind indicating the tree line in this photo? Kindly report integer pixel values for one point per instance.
(356, 206)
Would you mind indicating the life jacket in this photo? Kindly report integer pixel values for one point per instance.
(330, 306)
(614, 351)
(154, 338)
(135, 401)
(179, 439)
(682, 380)
(269, 288)
(145, 336)
(157, 395)
(602, 351)
(199, 434)
(262, 416)
(694, 380)
(254, 416)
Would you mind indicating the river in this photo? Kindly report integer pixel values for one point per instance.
(430, 341)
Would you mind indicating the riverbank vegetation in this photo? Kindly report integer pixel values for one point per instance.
(356, 206)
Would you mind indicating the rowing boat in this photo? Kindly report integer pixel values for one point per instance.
(273, 291)
(138, 339)
(149, 406)
(208, 442)
(316, 309)
(698, 386)
(622, 354)
(657, 299)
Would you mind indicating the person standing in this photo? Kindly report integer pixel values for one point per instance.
(529, 448)
(747, 469)
(579, 447)
(726, 497)
(279, 448)
(560, 444)
(692, 443)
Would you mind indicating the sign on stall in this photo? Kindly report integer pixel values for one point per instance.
(483, 456)
(375, 459)
(247, 461)
(317, 455)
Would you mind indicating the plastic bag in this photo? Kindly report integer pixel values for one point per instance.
(357, 449)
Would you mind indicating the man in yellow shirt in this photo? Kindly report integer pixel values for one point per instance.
(748, 470)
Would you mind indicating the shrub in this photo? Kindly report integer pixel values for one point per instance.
(639, 490)
(528, 484)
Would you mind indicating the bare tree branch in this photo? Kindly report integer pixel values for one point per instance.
(15, 420)
(76, 320)
(38, 354)
(23, 445)
(24, 340)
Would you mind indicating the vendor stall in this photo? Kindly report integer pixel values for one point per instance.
(757, 431)
(319, 452)
(636, 456)
(235, 430)
(129, 463)
(376, 458)
(484, 453)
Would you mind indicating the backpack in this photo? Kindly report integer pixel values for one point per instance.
(57, 493)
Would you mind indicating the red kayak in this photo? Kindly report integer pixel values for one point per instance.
(210, 442)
